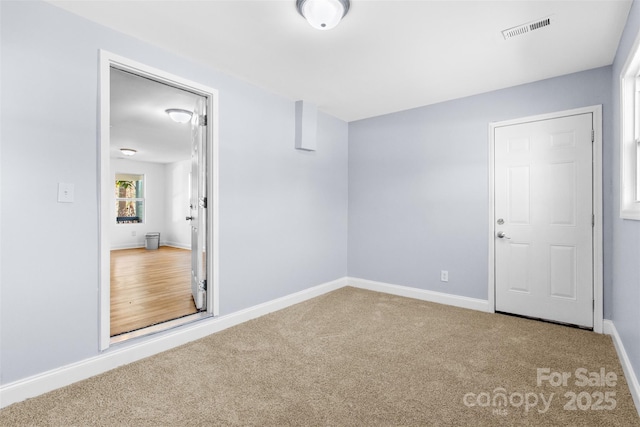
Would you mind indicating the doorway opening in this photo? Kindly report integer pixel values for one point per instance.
(158, 200)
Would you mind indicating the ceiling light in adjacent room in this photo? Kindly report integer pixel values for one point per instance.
(128, 151)
(178, 115)
(323, 14)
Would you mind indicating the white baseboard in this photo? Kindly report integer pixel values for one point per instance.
(128, 352)
(421, 294)
(142, 245)
(177, 245)
(127, 246)
(629, 374)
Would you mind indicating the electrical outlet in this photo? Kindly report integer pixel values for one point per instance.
(133, 233)
(444, 276)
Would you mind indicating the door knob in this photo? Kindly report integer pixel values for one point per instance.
(189, 218)
(502, 235)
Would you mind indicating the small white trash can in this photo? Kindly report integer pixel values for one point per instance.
(152, 240)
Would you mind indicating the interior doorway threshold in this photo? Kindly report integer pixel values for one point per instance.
(159, 327)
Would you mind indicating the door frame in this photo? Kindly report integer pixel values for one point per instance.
(106, 61)
(598, 261)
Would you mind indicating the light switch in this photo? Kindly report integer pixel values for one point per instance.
(65, 193)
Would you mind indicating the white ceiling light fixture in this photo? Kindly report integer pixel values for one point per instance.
(178, 115)
(128, 151)
(323, 14)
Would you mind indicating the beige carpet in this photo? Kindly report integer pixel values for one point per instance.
(355, 357)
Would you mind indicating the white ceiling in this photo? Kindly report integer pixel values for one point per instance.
(385, 56)
(139, 119)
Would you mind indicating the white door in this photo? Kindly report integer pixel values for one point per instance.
(198, 205)
(544, 219)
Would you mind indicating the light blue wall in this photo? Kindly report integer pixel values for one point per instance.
(417, 189)
(418, 184)
(626, 233)
(283, 212)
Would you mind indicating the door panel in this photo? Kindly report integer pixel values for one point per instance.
(543, 222)
(198, 205)
(519, 254)
(562, 207)
(519, 199)
(562, 271)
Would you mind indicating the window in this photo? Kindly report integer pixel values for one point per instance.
(630, 141)
(129, 190)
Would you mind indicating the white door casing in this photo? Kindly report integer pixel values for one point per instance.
(545, 233)
(209, 134)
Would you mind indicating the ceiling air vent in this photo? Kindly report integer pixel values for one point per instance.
(525, 28)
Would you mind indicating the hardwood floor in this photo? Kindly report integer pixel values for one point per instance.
(149, 287)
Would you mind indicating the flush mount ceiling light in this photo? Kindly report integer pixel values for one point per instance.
(128, 151)
(178, 115)
(323, 14)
